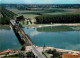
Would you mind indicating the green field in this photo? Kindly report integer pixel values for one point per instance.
(6, 16)
(52, 11)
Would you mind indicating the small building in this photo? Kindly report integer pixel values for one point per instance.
(28, 21)
(7, 51)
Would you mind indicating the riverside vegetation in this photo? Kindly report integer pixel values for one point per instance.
(68, 18)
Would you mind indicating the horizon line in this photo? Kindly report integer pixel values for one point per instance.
(29, 3)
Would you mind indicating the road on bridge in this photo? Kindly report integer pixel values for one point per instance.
(36, 52)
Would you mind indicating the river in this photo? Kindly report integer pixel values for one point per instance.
(8, 39)
(63, 37)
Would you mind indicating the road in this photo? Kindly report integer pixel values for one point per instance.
(36, 52)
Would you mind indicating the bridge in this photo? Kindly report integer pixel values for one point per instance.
(26, 38)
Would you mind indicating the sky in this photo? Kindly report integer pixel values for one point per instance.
(40, 1)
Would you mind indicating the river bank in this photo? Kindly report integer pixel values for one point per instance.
(76, 24)
(46, 25)
(40, 49)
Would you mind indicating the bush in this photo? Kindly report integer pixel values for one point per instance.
(23, 48)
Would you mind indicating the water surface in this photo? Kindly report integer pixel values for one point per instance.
(8, 39)
(63, 37)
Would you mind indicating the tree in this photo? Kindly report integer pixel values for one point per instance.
(56, 54)
(31, 55)
(63, 18)
(50, 51)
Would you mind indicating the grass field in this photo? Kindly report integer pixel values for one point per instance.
(51, 11)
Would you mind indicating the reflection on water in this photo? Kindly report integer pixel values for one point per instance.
(6, 27)
(58, 29)
(59, 37)
(8, 40)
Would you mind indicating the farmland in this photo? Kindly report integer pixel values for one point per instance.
(5, 16)
(34, 12)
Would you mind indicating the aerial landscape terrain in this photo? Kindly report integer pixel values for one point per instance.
(43, 30)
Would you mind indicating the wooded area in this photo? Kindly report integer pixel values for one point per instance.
(65, 18)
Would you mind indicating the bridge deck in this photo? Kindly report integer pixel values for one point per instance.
(13, 22)
(25, 36)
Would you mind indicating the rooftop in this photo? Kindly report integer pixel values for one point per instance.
(71, 55)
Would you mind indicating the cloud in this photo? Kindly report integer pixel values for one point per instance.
(34, 33)
(73, 47)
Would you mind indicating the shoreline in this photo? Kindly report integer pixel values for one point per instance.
(74, 24)
(47, 25)
(40, 49)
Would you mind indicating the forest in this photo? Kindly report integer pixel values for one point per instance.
(63, 18)
(5, 16)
